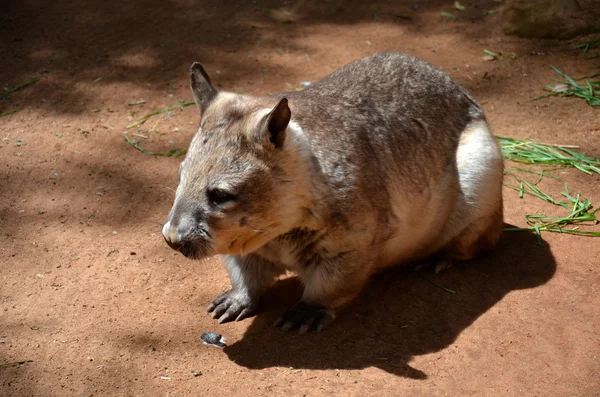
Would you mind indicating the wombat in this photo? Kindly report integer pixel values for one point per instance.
(386, 161)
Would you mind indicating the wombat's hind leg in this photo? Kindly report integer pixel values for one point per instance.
(476, 223)
(249, 276)
(479, 237)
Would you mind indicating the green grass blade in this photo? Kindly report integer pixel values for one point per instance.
(10, 112)
(529, 152)
(142, 120)
(174, 152)
(585, 91)
(579, 209)
(436, 284)
(567, 78)
(19, 88)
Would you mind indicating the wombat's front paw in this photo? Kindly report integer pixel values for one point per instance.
(232, 305)
(306, 317)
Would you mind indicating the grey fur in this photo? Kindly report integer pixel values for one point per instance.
(385, 161)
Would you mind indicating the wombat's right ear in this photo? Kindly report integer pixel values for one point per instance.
(202, 89)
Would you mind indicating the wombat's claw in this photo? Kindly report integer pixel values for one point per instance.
(305, 317)
(232, 305)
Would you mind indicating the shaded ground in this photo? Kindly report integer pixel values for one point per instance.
(91, 293)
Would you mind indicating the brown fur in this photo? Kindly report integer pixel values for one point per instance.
(384, 162)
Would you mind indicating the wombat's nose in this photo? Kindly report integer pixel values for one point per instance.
(174, 245)
(177, 230)
(172, 236)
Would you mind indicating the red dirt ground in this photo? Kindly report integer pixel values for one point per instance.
(92, 294)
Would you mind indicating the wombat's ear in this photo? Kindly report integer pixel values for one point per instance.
(202, 89)
(277, 121)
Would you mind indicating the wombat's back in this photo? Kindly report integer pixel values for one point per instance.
(389, 88)
(405, 110)
(386, 130)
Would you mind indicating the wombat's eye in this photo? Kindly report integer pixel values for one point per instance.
(219, 196)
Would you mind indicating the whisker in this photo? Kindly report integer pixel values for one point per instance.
(157, 184)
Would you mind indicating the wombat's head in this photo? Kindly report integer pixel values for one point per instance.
(237, 185)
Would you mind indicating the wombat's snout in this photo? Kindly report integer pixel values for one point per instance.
(177, 232)
(172, 236)
(175, 243)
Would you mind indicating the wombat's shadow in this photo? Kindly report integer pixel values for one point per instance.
(399, 315)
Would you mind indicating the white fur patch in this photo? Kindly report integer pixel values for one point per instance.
(297, 140)
(260, 114)
(477, 158)
(226, 96)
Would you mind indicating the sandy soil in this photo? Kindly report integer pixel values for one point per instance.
(91, 293)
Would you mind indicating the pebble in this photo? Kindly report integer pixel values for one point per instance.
(212, 339)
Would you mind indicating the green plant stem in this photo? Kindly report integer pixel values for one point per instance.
(174, 152)
(436, 284)
(10, 112)
(19, 88)
(142, 120)
(14, 363)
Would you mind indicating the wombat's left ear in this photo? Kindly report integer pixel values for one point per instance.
(202, 89)
(277, 121)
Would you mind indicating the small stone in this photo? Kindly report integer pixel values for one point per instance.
(212, 339)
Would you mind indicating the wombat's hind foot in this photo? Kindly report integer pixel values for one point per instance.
(232, 305)
(476, 239)
(306, 317)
